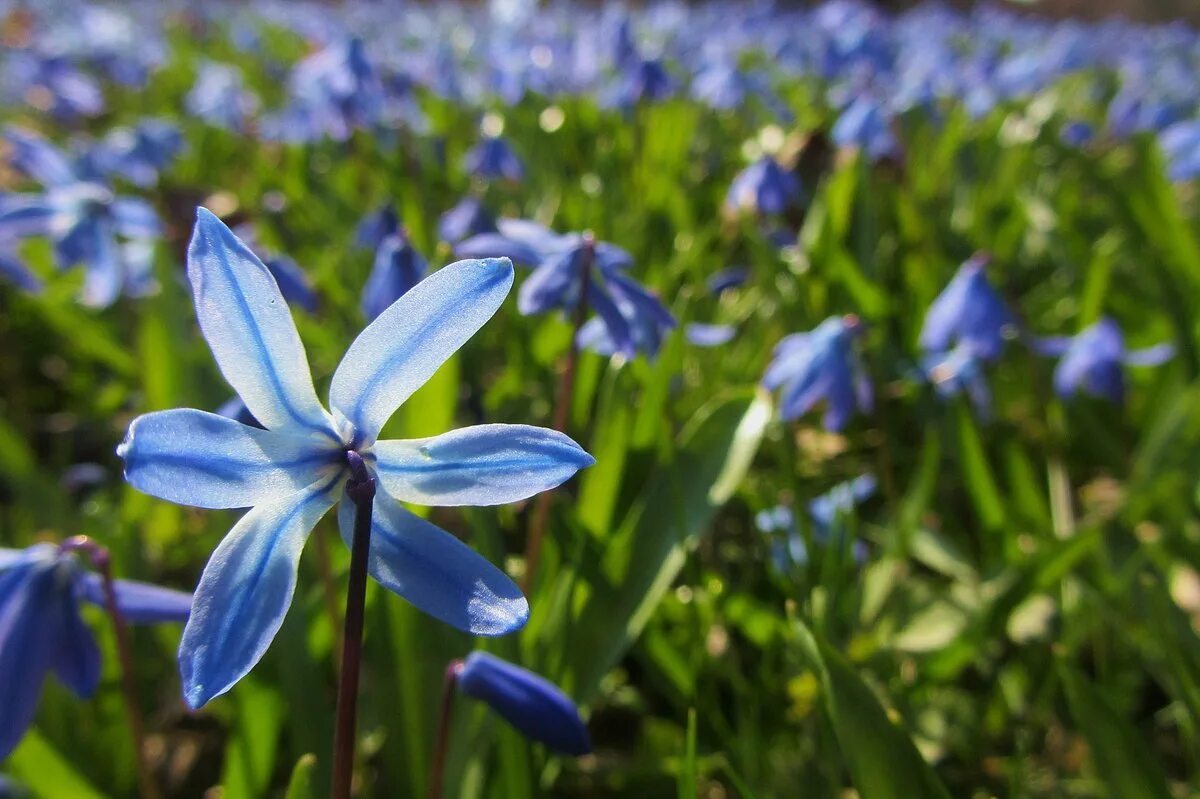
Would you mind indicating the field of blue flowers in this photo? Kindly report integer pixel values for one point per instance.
(729, 400)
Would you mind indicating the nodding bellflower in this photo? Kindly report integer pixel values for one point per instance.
(529, 702)
(42, 631)
(629, 318)
(468, 218)
(820, 365)
(969, 311)
(494, 158)
(763, 187)
(398, 267)
(1094, 361)
(83, 218)
(293, 471)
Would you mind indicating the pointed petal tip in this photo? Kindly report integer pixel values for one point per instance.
(493, 616)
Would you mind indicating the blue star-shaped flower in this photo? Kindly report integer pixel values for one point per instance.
(820, 365)
(1094, 361)
(293, 471)
(492, 158)
(764, 187)
(41, 630)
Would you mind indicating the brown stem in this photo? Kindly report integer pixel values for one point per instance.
(562, 412)
(361, 491)
(437, 766)
(133, 709)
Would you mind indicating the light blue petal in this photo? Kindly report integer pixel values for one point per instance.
(26, 215)
(103, 276)
(250, 330)
(495, 245)
(38, 158)
(136, 218)
(488, 464)
(209, 461)
(245, 591)
(1151, 356)
(547, 286)
(139, 603)
(435, 571)
(406, 344)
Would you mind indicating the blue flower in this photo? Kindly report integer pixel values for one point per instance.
(703, 335)
(825, 514)
(83, 217)
(1181, 146)
(56, 83)
(532, 704)
(398, 267)
(41, 629)
(727, 279)
(333, 93)
(494, 158)
(293, 471)
(468, 218)
(630, 319)
(765, 187)
(958, 371)
(1094, 361)
(139, 153)
(820, 365)
(293, 282)
(865, 125)
(969, 311)
(377, 226)
(220, 98)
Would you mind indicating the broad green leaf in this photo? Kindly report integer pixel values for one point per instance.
(250, 753)
(45, 772)
(882, 760)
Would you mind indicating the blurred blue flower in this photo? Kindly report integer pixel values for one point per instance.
(53, 83)
(1181, 146)
(764, 187)
(535, 706)
(1094, 361)
(820, 365)
(41, 629)
(956, 372)
(83, 218)
(377, 226)
(970, 312)
(220, 98)
(333, 93)
(293, 471)
(726, 279)
(1077, 133)
(865, 125)
(642, 80)
(630, 319)
(467, 218)
(139, 153)
(293, 282)
(493, 158)
(398, 267)
(703, 335)
(825, 514)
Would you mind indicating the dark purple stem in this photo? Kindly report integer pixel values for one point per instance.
(102, 563)
(437, 767)
(562, 413)
(361, 491)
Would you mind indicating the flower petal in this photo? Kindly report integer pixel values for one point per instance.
(487, 464)
(136, 218)
(76, 658)
(250, 330)
(38, 158)
(139, 603)
(202, 459)
(1151, 356)
(407, 343)
(104, 275)
(25, 651)
(245, 591)
(435, 571)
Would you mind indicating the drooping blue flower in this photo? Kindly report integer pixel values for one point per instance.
(333, 93)
(641, 80)
(41, 630)
(398, 267)
(493, 158)
(220, 98)
(826, 513)
(865, 125)
(293, 471)
(535, 706)
(139, 153)
(956, 372)
(820, 365)
(467, 218)
(377, 226)
(630, 318)
(83, 218)
(763, 187)
(1094, 361)
(970, 312)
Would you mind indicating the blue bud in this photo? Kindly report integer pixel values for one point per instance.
(532, 704)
